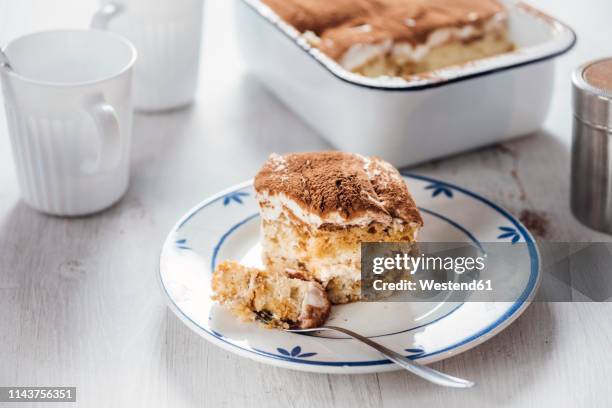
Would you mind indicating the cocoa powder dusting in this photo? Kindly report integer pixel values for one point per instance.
(599, 75)
(338, 182)
(343, 23)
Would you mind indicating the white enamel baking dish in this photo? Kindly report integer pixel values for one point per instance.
(408, 122)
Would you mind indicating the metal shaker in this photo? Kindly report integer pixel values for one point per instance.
(591, 181)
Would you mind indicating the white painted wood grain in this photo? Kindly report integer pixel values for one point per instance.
(79, 302)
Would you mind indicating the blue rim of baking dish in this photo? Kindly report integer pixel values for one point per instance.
(342, 73)
(512, 311)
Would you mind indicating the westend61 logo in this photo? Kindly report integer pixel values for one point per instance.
(486, 272)
(401, 262)
(438, 271)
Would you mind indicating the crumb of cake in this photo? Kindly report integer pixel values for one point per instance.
(317, 208)
(275, 299)
(399, 37)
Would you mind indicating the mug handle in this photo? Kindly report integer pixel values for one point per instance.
(4, 61)
(109, 136)
(104, 15)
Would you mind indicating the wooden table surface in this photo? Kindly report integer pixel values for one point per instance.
(79, 301)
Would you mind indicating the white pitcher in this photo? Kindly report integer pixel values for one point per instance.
(167, 35)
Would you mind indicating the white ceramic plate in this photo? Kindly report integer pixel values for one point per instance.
(226, 226)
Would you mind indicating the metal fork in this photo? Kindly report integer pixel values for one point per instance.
(422, 371)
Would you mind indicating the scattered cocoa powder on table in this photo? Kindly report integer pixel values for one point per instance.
(537, 223)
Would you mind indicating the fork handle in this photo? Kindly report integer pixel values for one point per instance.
(422, 371)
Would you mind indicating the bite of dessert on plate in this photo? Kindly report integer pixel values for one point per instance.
(399, 37)
(316, 209)
(274, 299)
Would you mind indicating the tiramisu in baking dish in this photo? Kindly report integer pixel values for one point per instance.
(414, 118)
(316, 209)
(399, 37)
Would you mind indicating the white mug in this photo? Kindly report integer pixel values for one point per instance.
(68, 102)
(167, 35)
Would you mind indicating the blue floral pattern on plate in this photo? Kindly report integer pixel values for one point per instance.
(295, 352)
(439, 188)
(509, 232)
(182, 244)
(414, 352)
(235, 196)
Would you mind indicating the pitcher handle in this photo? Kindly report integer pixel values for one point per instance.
(104, 15)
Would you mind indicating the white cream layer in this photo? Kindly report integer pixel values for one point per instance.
(344, 265)
(403, 52)
(272, 206)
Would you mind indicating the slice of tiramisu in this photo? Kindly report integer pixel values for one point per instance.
(399, 37)
(317, 208)
(275, 299)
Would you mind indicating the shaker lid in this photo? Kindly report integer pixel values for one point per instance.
(592, 93)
